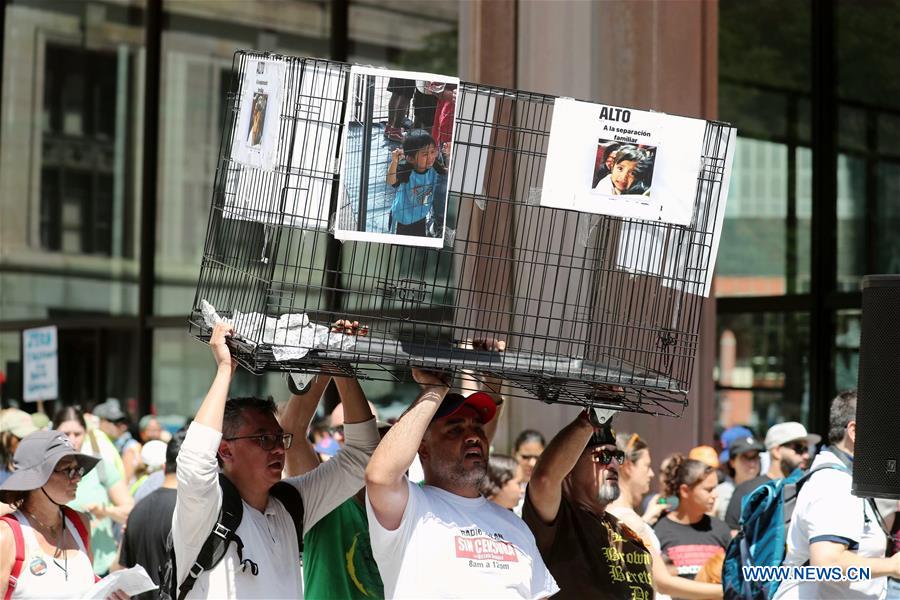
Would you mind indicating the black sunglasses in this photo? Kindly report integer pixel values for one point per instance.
(71, 472)
(798, 447)
(267, 441)
(605, 456)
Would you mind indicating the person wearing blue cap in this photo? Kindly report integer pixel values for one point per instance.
(445, 539)
(742, 463)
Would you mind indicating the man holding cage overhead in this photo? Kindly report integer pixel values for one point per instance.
(444, 539)
(588, 550)
(243, 436)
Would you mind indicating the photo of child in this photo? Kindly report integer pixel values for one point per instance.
(396, 158)
(416, 181)
(623, 169)
(257, 119)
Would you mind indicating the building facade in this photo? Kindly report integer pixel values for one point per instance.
(109, 131)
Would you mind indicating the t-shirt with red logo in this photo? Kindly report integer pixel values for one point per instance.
(448, 546)
(689, 547)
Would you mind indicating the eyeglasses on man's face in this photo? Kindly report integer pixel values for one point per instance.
(267, 441)
(605, 456)
(71, 472)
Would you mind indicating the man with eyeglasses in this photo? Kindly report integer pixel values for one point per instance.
(589, 552)
(243, 436)
(789, 446)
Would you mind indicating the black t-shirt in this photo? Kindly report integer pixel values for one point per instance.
(144, 542)
(733, 512)
(591, 556)
(689, 547)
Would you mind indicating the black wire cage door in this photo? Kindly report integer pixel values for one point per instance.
(593, 309)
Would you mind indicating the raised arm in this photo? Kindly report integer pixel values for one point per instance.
(301, 457)
(385, 476)
(392, 167)
(356, 408)
(493, 386)
(212, 410)
(545, 487)
(199, 496)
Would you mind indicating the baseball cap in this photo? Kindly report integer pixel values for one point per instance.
(153, 454)
(728, 436)
(17, 422)
(109, 411)
(705, 454)
(480, 402)
(789, 431)
(602, 436)
(35, 459)
(744, 444)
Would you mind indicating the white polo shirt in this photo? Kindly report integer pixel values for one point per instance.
(827, 511)
(269, 537)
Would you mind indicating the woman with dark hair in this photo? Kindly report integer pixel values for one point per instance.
(502, 484)
(635, 479)
(54, 539)
(688, 536)
(527, 449)
(102, 491)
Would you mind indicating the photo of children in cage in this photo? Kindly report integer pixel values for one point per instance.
(397, 158)
(257, 119)
(623, 169)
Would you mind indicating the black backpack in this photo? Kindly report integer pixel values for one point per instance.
(222, 535)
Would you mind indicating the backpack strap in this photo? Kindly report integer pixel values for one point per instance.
(222, 535)
(290, 498)
(20, 554)
(85, 535)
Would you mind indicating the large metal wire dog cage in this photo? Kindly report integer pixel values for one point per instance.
(595, 310)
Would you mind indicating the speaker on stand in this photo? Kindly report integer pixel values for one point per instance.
(876, 472)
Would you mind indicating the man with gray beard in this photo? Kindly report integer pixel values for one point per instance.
(444, 540)
(589, 552)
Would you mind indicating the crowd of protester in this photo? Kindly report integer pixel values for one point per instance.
(426, 506)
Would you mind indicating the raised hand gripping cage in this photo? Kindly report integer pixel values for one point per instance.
(594, 310)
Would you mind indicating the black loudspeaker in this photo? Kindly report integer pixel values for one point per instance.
(876, 472)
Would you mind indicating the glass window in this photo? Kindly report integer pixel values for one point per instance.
(418, 35)
(10, 367)
(70, 177)
(762, 370)
(764, 91)
(198, 47)
(846, 349)
(868, 124)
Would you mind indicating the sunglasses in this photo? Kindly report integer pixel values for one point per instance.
(267, 441)
(605, 456)
(71, 472)
(798, 447)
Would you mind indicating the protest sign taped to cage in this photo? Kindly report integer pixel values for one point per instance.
(396, 157)
(256, 134)
(622, 162)
(302, 197)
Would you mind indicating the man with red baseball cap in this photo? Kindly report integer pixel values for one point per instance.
(444, 539)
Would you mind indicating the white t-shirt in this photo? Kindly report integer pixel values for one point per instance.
(827, 511)
(448, 546)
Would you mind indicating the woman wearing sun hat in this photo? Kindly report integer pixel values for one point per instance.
(54, 543)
